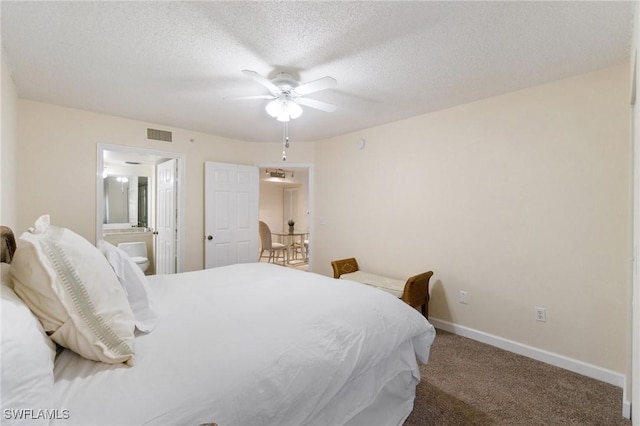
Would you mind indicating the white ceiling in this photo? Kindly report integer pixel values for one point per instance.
(174, 63)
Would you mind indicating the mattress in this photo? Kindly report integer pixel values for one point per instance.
(257, 344)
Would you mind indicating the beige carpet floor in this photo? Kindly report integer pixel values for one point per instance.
(294, 263)
(470, 383)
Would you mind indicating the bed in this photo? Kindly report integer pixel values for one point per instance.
(246, 344)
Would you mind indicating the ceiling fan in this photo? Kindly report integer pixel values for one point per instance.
(287, 94)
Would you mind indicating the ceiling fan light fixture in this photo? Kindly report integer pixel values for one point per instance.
(295, 110)
(283, 116)
(283, 109)
(274, 108)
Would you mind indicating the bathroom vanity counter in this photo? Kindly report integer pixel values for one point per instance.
(121, 231)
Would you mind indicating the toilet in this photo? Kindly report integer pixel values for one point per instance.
(138, 252)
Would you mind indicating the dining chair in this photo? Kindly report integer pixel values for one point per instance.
(302, 249)
(267, 244)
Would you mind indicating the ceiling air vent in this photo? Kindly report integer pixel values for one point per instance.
(159, 135)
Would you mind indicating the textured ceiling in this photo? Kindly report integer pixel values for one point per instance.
(176, 63)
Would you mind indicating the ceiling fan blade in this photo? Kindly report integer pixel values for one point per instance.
(323, 106)
(252, 97)
(316, 85)
(260, 79)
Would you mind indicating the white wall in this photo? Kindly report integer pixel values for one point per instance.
(57, 173)
(521, 200)
(8, 149)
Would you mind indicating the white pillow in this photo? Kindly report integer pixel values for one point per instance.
(134, 283)
(27, 359)
(71, 288)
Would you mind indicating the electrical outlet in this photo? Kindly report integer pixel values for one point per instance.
(541, 314)
(463, 297)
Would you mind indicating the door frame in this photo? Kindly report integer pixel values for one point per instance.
(180, 203)
(631, 406)
(310, 197)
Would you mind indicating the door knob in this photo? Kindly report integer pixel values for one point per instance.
(209, 237)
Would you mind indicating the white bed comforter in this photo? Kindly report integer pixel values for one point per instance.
(256, 344)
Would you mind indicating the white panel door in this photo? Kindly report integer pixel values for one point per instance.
(166, 223)
(231, 214)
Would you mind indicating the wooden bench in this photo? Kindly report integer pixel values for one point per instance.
(414, 291)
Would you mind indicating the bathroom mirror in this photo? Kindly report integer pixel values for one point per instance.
(126, 201)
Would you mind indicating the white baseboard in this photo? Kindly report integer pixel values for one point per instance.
(626, 409)
(580, 367)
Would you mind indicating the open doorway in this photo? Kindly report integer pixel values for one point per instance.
(285, 195)
(127, 202)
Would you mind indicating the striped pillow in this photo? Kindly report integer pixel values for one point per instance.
(71, 288)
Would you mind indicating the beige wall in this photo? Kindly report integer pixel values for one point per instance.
(8, 149)
(521, 200)
(57, 167)
(271, 202)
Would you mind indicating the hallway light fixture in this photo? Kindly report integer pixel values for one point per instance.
(278, 173)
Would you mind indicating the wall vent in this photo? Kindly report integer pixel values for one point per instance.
(159, 135)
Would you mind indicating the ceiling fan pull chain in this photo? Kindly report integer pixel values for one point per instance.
(286, 134)
(285, 141)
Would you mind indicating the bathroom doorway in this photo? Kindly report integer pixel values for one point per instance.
(127, 207)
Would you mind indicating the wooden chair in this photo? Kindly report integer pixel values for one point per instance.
(268, 244)
(415, 292)
(7, 244)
